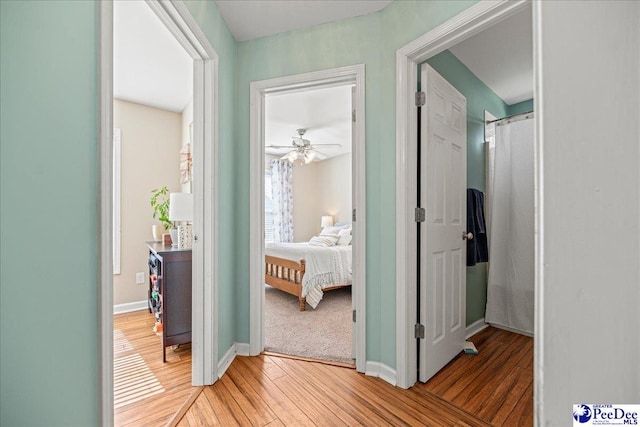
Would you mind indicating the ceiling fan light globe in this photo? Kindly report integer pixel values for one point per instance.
(308, 157)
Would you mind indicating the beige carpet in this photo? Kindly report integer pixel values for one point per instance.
(323, 333)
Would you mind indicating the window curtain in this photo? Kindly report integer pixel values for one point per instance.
(282, 200)
(510, 288)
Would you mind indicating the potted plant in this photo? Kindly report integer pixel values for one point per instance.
(160, 205)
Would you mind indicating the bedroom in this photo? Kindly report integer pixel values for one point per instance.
(307, 215)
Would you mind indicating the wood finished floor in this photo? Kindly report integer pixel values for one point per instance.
(494, 388)
(174, 376)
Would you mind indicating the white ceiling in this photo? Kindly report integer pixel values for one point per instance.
(325, 113)
(502, 57)
(150, 66)
(250, 19)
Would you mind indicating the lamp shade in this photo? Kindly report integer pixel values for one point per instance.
(327, 221)
(180, 207)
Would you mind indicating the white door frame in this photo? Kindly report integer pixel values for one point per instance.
(258, 90)
(178, 20)
(471, 21)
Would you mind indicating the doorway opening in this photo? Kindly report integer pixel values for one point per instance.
(288, 275)
(469, 23)
(307, 219)
(177, 19)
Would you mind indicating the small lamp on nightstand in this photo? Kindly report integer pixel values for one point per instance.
(327, 221)
(181, 210)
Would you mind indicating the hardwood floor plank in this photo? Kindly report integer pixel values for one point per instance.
(255, 415)
(469, 386)
(316, 393)
(259, 405)
(280, 404)
(511, 398)
(134, 336)
(201, 413)
(492, 388)
(195, 393)
(500, 379)
(321, 415)
(219, 405)
(365, 397)
(345, 398)
(522, 414)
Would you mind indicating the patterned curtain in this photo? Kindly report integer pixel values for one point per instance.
(282, 198)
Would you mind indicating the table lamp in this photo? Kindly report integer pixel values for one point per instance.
(181, 210)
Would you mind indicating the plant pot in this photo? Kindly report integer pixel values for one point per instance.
(157, 231)
(174, 236)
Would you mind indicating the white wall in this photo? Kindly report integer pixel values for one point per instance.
(334, 175)
(187, 119)
(320, 188)
(588, 278)
(307, 207)
(150, 159)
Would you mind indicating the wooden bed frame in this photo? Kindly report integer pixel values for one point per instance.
(287, 275)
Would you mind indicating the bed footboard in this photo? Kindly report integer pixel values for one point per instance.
(285, 275)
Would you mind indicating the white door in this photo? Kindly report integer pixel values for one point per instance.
(443, 180)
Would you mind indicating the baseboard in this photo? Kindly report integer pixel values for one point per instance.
(475, 327)
(242, 349)
(226, 360)
(384, 372)
(130, 306)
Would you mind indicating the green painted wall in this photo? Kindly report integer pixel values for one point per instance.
(372, 40)
(479, 98)
(48, 224)
(521, 107)
(216, 30)
(49, 123)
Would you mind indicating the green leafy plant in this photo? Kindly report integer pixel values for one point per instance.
(160, 205)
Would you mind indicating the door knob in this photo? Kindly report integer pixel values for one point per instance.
(467, 236)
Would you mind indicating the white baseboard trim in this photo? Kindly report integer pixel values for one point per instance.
(378, 369)
(475, 327)
(226, 360)
(130, 306)
(242, 349)
(237, 349)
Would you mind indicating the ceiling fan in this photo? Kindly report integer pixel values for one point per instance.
(302, 151)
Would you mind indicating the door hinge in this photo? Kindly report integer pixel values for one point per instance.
(419, 331)
(421, 215)
(353, 215)
(421, 98)
(353, 115)
(353, 315)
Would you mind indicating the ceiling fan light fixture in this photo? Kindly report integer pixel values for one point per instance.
(309, 156)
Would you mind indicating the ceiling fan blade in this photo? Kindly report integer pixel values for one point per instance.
(319, 155)
(279, 146)
(326, 145)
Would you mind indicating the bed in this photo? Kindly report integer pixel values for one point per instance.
(307, 271)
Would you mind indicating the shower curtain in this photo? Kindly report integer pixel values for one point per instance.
(510, 288)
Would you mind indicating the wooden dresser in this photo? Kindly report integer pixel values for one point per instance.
(170, 292)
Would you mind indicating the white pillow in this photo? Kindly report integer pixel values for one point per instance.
(344, 237)
(333, 230)
(325, 240)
